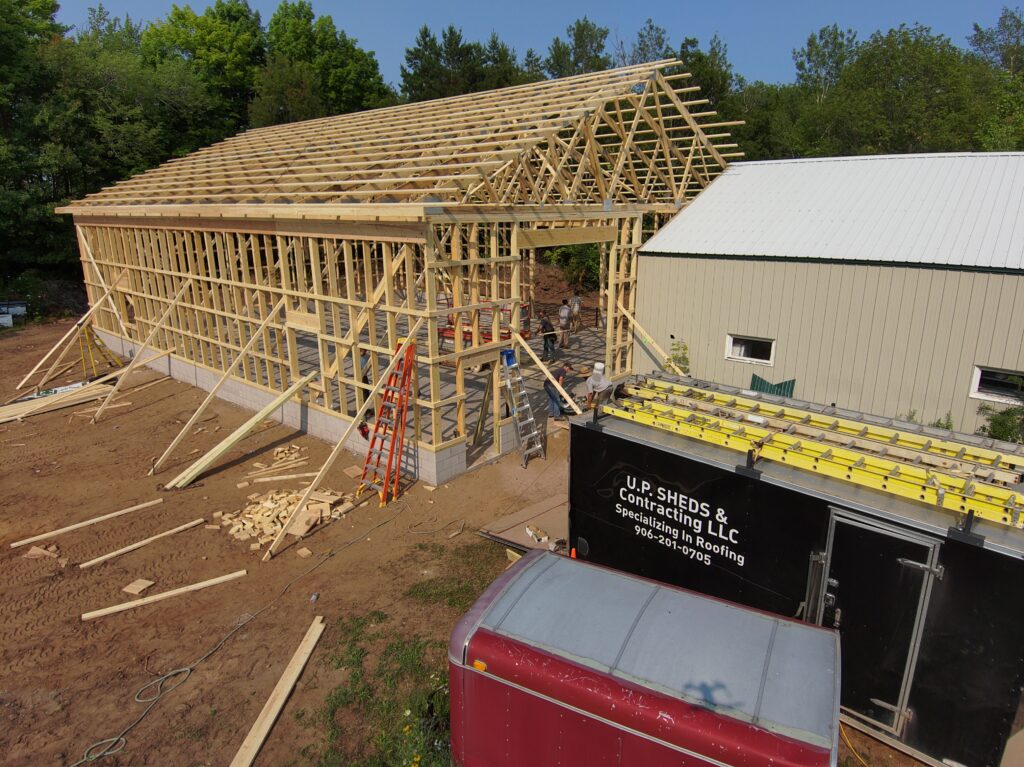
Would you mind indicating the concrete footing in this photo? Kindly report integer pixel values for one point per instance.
(432, 467)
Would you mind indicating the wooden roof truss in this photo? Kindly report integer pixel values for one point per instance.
(627, 135)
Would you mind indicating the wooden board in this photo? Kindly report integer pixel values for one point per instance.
(161, 596)
(272, 708)
(86, 523)
(143, 542)
(193, 471)
(136, 587)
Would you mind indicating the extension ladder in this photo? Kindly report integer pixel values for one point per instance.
(88, 345)
(969, 480)
(382, 469)
(528, 439)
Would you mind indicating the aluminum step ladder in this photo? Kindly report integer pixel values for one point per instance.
(382, 469)
(528, 439)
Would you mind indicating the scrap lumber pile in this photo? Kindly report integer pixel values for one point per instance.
(285, 460)
(265, 515)
(71, 396)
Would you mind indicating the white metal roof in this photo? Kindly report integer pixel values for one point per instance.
(943, 209)
(777, 674)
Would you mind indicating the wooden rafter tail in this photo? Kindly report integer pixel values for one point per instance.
(256, 335)
(188, 476)
(340, 444)
(145, 345)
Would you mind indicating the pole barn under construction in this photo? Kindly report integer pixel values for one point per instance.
(301, 256)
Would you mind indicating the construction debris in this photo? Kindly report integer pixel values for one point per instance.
(39, 553)
(136, 587)
(264, 516)
(537, 534)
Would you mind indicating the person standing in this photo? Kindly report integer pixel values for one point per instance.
(576, 307)
(547, 332)
(564, 314)
(560, 374)
(599, 388)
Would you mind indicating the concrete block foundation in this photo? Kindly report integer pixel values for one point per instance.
(432, 467)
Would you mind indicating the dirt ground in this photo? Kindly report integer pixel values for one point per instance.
(65, 684)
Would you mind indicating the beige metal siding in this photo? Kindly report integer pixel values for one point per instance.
(880, 339)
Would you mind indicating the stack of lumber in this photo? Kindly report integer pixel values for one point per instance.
(78, 396)
(260, 521)
(286, 459)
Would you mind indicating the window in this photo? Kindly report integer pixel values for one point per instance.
(998, 385)
(746, 349)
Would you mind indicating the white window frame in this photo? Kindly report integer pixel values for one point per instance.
(976, 383)
(730, 337)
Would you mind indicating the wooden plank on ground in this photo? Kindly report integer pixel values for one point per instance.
(140, 544)
(162, 595)
(88, 522)
(286, 477)
(272, 708)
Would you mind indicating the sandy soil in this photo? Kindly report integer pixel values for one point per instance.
(65, 684)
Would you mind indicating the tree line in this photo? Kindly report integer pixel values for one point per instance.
(83, 108)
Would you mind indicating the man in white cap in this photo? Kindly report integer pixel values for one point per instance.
(599, 388)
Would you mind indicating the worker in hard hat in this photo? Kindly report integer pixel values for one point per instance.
(599, 388)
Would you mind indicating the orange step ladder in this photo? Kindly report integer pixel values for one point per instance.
(382, 469)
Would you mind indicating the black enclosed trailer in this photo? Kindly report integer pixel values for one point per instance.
(931, 616)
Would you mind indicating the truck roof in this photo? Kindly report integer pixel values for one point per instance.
(777, 674)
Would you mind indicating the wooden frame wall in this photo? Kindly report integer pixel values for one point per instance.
(367, 223)
(350, 298)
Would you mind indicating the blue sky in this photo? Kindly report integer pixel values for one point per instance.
(760, 35)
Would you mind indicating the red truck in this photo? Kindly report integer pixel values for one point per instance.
(561, 662)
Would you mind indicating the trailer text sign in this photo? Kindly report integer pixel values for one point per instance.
(682, 523)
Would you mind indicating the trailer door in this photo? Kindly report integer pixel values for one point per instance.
(876, 588)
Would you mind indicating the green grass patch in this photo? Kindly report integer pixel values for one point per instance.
(468, 571)
(393, 708)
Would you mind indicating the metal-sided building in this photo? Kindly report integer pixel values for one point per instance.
(889, 285)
